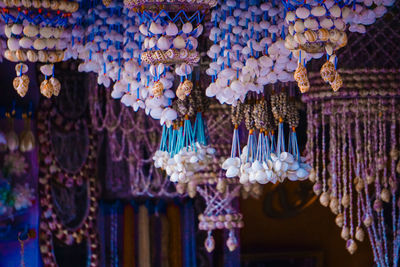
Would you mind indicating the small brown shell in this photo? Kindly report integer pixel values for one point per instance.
(157, 89)
(56, 86)
(32, 56)
(46, 88)
(21, 84)
(311, 36)
(187, 87)
(323, 34)
(342, 40)
(21, 55)
(42, 56)
(337, 82)
(55, 5)
(334, 35)
(328, 72)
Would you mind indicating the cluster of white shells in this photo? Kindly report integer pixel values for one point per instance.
(113, 49)
(248, 50)
(276, 168)
(188, 161)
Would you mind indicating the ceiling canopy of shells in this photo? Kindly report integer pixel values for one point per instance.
(171, 58)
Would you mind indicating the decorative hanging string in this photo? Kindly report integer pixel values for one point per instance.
(356, 171)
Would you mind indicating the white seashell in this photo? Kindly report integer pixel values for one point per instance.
(171, 29)
(156, 28)
(294, 166)
(277, 165)
(13, 44)
(256, 166)
(292, 176)
(232, 172)
(194, 159)
(326, 23)
(39, 44)
(179, 42)
(318, 11)
(16, 29)
(261, 177)
(31, 30)
(163, 43)
(302, 174)
(302, 12)
(287, 157)
(299, 26)
(187, 27)
(290, 16)
(335, 11)
(311, 24)
(174, 177)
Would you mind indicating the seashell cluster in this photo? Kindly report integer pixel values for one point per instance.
(171, 44)
(266, 159)
(319, 28)
(54, 5)
(248, 51)
(36, 38)
(112, 48)
(226, 221)
(183, 165)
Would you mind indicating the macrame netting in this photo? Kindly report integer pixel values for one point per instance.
(131, 140)
(353, 145)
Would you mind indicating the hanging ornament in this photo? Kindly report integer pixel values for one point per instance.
(184, 148)
(36, 32)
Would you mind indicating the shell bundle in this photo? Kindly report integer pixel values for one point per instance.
(184, 149)
(317, 28)
(353, 147)
(267, 159)
(171, 41)
(248, 50)
(36, 32)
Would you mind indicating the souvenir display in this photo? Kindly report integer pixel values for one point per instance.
(353, 147)
(183, 98)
